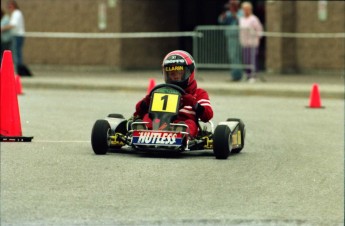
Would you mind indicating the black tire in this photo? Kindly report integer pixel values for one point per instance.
(243, 134)
(100, 137)
(115, 115)
(222, 142)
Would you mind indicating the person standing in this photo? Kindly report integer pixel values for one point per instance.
(6, 37)
(250, 34)
(231, 17)
(17, 27)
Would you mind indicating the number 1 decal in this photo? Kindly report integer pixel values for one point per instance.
(165, 99)
(163, 102)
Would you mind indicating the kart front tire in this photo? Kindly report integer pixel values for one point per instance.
(100, 137)
(222, 142)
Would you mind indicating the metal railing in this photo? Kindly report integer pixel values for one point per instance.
(219, 47)
(214, 46)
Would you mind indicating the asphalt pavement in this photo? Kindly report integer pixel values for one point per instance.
(215, 82)
(290, 172)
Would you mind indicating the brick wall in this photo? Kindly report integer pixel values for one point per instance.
(148, 16)
(323, 54)
(69, 16)
(82, 16)
(303, 54)
(282, 54)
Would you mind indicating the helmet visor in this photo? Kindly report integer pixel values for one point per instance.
(175, 73)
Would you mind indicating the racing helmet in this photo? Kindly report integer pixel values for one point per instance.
(178, 68)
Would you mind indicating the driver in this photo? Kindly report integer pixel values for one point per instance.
(179, 69)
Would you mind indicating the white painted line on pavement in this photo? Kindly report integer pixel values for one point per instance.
(61, 141)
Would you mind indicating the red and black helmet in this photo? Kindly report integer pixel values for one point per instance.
(182, 62)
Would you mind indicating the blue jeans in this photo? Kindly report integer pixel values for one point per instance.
(17, 46)
(5, 46)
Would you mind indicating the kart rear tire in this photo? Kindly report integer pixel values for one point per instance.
(115, 115)
(222, 142)
(243, 134)
(100, 137)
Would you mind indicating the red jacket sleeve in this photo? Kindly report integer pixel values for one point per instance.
(204, 100)
(140, 110)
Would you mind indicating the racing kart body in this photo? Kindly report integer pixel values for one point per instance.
(115, 131)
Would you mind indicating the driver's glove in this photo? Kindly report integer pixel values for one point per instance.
(190, 100)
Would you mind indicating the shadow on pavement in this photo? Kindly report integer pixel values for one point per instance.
(168, 154)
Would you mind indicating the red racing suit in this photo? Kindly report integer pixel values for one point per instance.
(189, 114)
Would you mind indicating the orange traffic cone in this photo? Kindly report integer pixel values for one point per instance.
(10, 126)
(152, 84)
(315, 98)
(19, 87)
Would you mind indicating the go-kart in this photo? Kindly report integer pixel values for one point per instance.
(115, 131)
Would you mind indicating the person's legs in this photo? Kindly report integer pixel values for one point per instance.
(229, 50)
(193, 127)
(19, 46)
(5, 46)
(235, 58)
(250, 58)
(14, 49)
(235, 51)
(2, 51)
(146, 118)
(255, 63)
(246, 59)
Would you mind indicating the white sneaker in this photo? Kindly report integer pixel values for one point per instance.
(251, 80)
(139, 125)
(181, 128)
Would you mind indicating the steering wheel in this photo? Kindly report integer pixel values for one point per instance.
(177, 88)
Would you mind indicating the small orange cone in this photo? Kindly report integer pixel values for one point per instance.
(10, 125)
(152, 84)
(19, 87)
(315, 98)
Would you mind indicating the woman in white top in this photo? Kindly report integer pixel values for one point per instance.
(17, 28)
(250, 34)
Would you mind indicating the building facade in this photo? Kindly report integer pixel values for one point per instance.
(107, 16)
(305, 54)
(98, 16)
